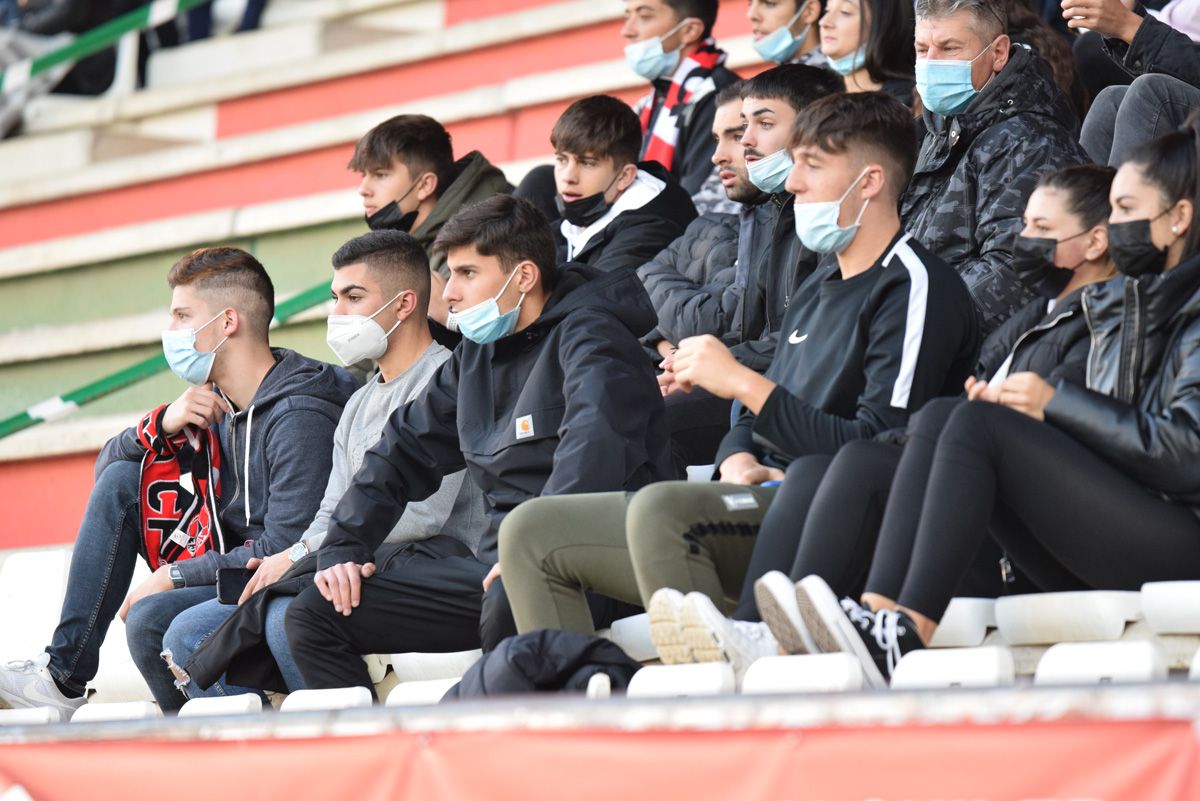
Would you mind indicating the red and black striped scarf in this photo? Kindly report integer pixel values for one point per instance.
(691, 82)
(180, 484)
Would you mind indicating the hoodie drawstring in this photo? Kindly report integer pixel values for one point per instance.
(246, 473)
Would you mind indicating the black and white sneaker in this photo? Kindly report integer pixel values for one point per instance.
(877, 639)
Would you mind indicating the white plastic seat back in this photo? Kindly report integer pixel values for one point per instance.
(1054, 617)
(416, 693)
(599, 686)
(954, 667)
(680, 681)
(32, 586)
(424, 667)
(1194, 672)
(245, 704)
(809, 673)
(336, 698)
(1172, 607)
(632, 635)
(129, 710)
(118, 680)
(1102, 663)
(35, 716)
(701, 472)
(965, 623)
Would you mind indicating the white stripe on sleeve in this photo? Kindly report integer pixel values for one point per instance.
(914, 324)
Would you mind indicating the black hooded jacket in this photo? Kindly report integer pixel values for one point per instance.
(635, 236)
(569, 404)
(1140, 410)
(976, 171)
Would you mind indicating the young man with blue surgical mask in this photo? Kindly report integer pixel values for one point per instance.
(550, 393)
(381, 288)
(995, 123)
(669, 43)
(230, 471)
(877, 331)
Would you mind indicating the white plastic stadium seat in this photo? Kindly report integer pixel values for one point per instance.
(1194, 673)
(32, 585)
(1102, 663)
(129, 710)
(1172, 607)
(810, 673)
(118, 680)
(415, 693)
(316, 700)
(599, 686)
(680, 681)
(1055, 617)
(377, 665)
(632, 634)
(701, 472)
(34, 716)
(965, 623)
(931, 669)
(245, 704)
(424, 667)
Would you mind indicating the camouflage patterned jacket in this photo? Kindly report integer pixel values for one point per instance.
(976, 171)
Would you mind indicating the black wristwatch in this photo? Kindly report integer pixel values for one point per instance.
(176, 575)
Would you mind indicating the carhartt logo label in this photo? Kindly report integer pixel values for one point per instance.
(795, 337)
(525, 427)
(740, 502)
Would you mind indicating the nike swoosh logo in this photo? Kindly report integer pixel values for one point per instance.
(795, 339)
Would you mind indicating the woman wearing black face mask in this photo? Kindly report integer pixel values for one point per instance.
(1084, 488)
(842, 499)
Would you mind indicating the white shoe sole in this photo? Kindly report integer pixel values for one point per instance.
(666, 632)
(775, 596)
(701, 622)
(831, 630)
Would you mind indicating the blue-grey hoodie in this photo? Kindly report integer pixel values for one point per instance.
(275, 461)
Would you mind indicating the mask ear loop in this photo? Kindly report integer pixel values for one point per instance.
(866, 202)
(389, 303)
(206, 325)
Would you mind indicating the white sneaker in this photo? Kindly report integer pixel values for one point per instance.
(666, 631)
(775, 595)
(28, 683)
(715, 638)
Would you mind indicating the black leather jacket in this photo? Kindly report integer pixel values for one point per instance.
(1141, 408)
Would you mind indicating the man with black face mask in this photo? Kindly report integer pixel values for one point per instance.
(615, 212)
(411, 183)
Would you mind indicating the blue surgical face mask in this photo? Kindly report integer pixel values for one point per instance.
(179, 346)
(850, 62)
(817, 223)
(483, 322)
(780, 45)
(647, 58)
(945, 85)
(770, 173)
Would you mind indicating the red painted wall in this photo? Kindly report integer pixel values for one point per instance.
(42, 500)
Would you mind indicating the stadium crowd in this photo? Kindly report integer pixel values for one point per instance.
(930, 309)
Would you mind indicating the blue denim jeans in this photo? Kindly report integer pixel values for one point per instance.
(106, 551)
(194, 626)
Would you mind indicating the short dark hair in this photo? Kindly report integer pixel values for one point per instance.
(507, 227)
(703, 10)
(601, 126)
(230, 277)
(418, 142)
(874, 122)
(1172, 163)
(1086, 187)
(729, 93)
(394, 258)
(795, 84)
(889, 40)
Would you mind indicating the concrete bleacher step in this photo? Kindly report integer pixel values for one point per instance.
(246, 704)
(1172, 607)
(128, 710)
(945, 668)
(332, 699)
(681, 681)
(36, 716)
(419, 693)
(1057, 617)
(807, 673)
(965, 623)
(1102, 663)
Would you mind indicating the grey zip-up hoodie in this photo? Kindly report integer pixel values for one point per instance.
(276, 456)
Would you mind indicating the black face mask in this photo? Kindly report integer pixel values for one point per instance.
(390, 218)
(1133, 249)
(586, 210)
(1033, 262)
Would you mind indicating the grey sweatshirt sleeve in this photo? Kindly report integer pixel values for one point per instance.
(298, 462)
(339, 479)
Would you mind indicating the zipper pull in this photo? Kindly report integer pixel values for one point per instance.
(1006, 570)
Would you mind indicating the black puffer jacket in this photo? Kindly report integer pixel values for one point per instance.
(568, 405)
(976, 171)
(1157, 47)
(687, 280)
(1141, 408)
(1052, 344)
